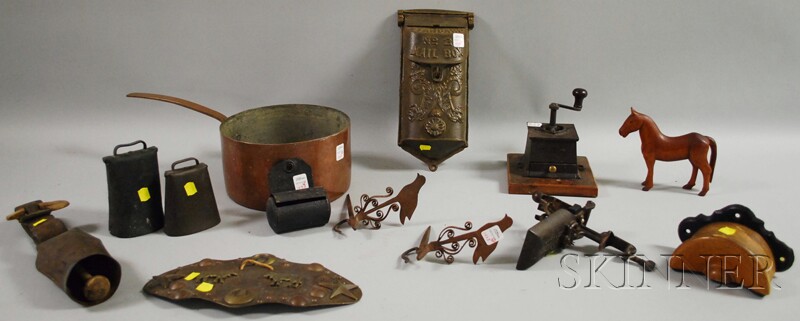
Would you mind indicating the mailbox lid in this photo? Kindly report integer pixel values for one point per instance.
(435, 18)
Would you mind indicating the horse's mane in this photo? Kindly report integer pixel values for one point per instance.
(644, 116)
(648, 119)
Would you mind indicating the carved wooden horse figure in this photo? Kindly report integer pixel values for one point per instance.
(657, 146)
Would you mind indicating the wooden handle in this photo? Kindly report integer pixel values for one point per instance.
(15, 215)
(51, 205)
(183, 103)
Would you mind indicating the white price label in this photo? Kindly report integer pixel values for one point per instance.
(300, 181)
(492, 235)
(458, 40)
(339, 152)
(534, 124)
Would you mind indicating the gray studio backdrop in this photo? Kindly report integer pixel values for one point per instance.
(728, 69)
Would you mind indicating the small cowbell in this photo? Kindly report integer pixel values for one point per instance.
(189, 203)
(134, 191)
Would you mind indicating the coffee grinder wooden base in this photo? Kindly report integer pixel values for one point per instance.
(585, 186)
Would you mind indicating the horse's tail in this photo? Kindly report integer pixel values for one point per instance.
(713, 145)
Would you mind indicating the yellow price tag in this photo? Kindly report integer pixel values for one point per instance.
(204, 287)
(727, 231)
(190, 188)
(191, 276)
(144, 194)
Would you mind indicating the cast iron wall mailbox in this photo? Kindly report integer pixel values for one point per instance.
(433, 83)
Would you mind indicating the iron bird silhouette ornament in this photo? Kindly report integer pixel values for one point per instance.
(405, 202)
(657, 146)
(484, 240)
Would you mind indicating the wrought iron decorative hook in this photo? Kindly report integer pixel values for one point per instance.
(405, 203)
(484, 240)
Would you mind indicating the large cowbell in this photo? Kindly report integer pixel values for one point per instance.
(75, 261)
(189, 203)
(134, 191)
(433, 83)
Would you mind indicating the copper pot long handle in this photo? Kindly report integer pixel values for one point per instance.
(183, 103)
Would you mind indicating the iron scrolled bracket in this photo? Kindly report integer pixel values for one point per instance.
(484, 240)
(405, 202)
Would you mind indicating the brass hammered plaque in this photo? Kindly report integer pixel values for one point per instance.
(259, 279)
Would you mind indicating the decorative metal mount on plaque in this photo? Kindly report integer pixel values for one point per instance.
(484, 240)
(259, 279)
(433, 83)
(405, 202)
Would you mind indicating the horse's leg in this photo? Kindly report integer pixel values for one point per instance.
(705, 168)
(697, 155)
(650, 160)
(690, 184)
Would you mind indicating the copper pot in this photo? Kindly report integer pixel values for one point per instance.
(255, 139)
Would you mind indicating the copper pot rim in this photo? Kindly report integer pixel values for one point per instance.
(228, 133)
